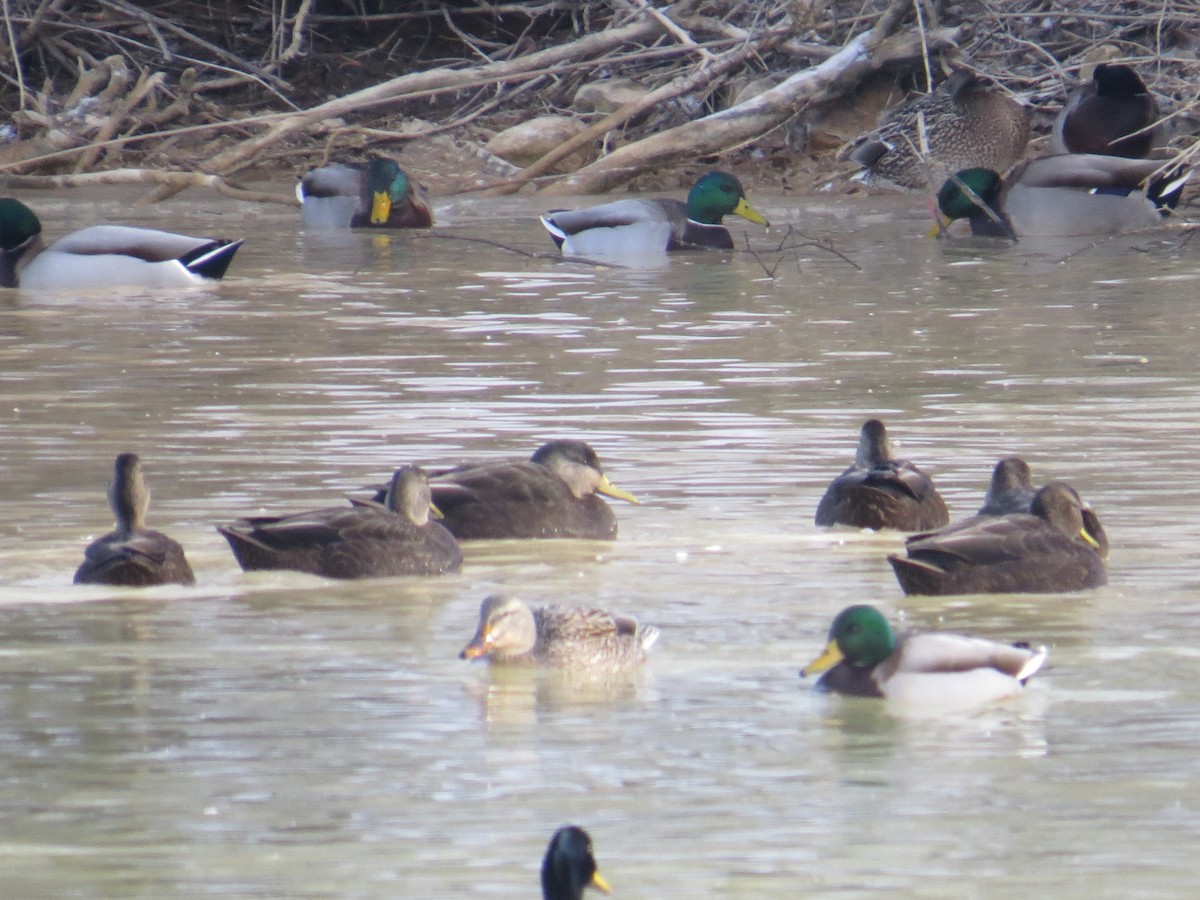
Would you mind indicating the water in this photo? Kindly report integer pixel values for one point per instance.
(278, 735)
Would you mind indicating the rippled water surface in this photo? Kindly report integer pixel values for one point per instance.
(279, 735)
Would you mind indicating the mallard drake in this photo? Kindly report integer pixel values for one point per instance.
(361, 541)
(104, 256)
(558, 637)
(879, 491)
(864, 658)
(1012, 491)
(1061, 196)
(966, 122)
(1045, 551)
(552, 495)
(1112, 114)
(638, 225)
(133, 555)
(374, 194)
(569, 866)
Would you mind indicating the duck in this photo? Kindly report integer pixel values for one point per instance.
(104, 256)
(512, 633)
(639, 225)
(880, 491)
(1063, 196)
(133, 555)
(367, 539)
(865, 658)
(1047, 550)
(551, 495)
(1012, 491)
(569, 866)
(1112, 114)
(967, 122)
(372, 194)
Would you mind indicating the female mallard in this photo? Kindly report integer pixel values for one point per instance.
(637, 225)
(361, 541)
(966, 122)
(569, 866)
(864, 658)
(1061, 196)
(558, 637)
(1012, 491)
(879, 491)
(104, 256)
(552, 495)
(1045, 551)
(133, 555)
(375, 194)
(1112, 114)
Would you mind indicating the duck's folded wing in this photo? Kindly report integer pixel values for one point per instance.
(933, 653)
(983, 540)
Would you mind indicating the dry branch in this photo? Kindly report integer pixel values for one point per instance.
(440, 79)
(746, 121)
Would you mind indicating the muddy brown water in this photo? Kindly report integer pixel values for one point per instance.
(279, 735)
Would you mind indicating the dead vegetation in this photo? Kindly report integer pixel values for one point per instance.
(181, 92)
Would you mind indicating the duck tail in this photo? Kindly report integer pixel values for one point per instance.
(648, 635)
(211, 260)
(1032, 665)
(1164, 192)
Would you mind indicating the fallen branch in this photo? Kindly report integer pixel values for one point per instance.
(440, 79)
(706, 73)
(179, 181)
(730, 127)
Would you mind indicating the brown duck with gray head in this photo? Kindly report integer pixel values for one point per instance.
(133, 555)
(554, 494)
(880, 491)
(364, 540)
(1045, 551)
(1012, 491)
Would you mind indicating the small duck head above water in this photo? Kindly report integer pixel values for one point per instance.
(569, 866)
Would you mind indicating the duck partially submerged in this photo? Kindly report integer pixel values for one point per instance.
(880, 491)
(638, 225)
(360, 541)
(374, 194)
(1112, 114)
(865, 658)
(1064, 196)
(1047, 550)
(133, 555)
(551, 495)
(569, 866)
(967, 122)
(1012, 491)
(558, 637)
(104, 256)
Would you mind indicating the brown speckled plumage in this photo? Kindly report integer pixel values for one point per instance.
(968, 122)
(560, 637)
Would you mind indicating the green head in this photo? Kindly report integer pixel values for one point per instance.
(955, 204)
(860, 635)
(388, 185)
(17, 223)
(719, 194)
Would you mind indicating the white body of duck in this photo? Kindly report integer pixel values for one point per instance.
(104, 256)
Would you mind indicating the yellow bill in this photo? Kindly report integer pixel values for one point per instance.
(381, 208)
(749, 213)
(609, 489)
(827, 660)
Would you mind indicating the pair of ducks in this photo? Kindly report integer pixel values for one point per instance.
(552, 495)
(374, 194)
(1022, 540)
(960, 139)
